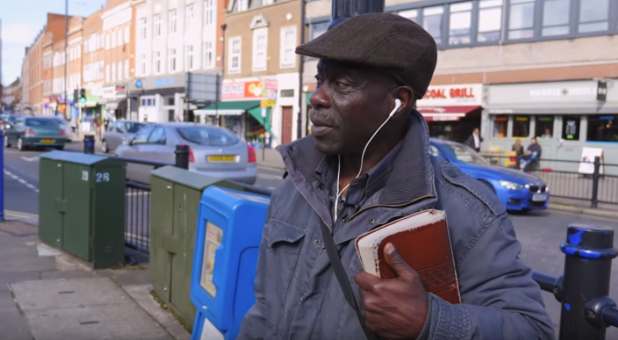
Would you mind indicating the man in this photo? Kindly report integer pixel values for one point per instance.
(372, 69)
(475, 140)
(532, 155)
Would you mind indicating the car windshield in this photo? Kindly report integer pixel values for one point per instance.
(207, 136)
(42, 123)
(132, 127)
(466, 154)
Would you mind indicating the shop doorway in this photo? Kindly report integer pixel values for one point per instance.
(286, 124)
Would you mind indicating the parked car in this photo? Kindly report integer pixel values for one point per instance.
(28, 132)
(117, 133)
(6, 120)
(213, 151)
(518, 191)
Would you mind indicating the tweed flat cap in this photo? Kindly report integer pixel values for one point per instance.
(380, 40)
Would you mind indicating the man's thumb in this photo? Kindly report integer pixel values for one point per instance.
(399, 265)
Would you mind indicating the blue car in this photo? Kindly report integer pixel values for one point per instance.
(518, 191)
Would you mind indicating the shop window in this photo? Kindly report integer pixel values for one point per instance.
(170, 100)
(593, 16)
(570, 128)
(411, 14)
(490, 20)
(500, 125)
(603, 128)
(521, 19)
(544, 126)
(556, 14)
(521, 126)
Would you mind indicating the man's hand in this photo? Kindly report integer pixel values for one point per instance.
(394, 308)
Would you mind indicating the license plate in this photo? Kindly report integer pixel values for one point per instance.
(47, 141)
(539, 197)
(222, 158)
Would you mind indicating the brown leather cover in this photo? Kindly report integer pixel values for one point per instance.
(427, 249)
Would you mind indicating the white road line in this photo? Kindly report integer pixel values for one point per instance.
(30, 159)
(21, 180)
(263, 175)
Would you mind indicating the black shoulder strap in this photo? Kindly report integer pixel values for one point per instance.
(342, 278)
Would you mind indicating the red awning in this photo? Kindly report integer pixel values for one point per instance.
(446, 113)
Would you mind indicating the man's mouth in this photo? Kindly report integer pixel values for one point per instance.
(321, 130)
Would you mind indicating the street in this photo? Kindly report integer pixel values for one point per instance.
(540, 233)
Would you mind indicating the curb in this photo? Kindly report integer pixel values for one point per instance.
(270, 167)
(21, 217)
(584, 211)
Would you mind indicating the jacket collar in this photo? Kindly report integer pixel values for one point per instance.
(411, 177)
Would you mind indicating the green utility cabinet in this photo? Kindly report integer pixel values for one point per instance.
(81, 206)
(175, 200)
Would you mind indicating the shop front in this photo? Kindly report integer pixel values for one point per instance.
(565, 116)
(452, 111)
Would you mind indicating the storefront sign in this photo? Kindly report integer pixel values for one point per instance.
(249, 89)
(586, 165)
(534, 95)
(447, 95)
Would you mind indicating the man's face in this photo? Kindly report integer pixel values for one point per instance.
(349, 104)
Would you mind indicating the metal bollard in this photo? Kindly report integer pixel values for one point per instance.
(1, 176)
(585, 284)
(89, 144)
(182, 156)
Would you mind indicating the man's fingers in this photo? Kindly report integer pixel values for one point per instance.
(399, 265)
(366, 281)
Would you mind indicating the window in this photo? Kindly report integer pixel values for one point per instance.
(157, 136)
(172, 20)
(143, 64)
(189, 57)
(500, 126)
(156, 22)
(141, 137)
(593, 15)
(126, 69)
(157, 61)
(260, 45)
(490, 20)
(235, 54)
(521, 19)
(411, 14)
(570, 128)
(170, 100)
(432, 22)
(288, 44)
(603, 128)
(460, 22)
(208, 54)
(544, 126)
(209, 13)
(521, 126)
(318, 29)
(190, 11)
(113, 77)
(241, 5)
(172, 59)
(107, 73)
(143, 29)
(255, 3)
(556, 14)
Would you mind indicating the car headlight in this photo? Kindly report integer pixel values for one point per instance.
(511, 185)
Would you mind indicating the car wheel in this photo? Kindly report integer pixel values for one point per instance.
(20, 145)
(7, 144)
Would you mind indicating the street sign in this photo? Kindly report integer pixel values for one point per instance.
(138, 83)
(266, 103)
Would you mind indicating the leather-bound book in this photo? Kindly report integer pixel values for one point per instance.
(422, 239)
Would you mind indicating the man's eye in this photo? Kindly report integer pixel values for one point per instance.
(342, 84)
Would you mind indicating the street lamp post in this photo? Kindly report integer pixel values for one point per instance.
(66, 59)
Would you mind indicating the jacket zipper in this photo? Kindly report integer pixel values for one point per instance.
(416, 200)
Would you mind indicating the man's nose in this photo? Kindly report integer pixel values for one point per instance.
(320, 98)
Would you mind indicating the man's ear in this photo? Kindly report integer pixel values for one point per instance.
(406, 95)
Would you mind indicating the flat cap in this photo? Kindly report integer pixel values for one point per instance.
(381, 40)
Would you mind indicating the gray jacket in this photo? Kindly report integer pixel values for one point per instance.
(298, 296)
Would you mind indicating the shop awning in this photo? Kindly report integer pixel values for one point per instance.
(236, 108)
(264, 120)
(446, 113)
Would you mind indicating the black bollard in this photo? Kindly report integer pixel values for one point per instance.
(182, 156)
(89, 144)
(585, 284)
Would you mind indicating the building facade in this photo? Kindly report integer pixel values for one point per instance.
(176, 41)
(260, 91)
(517, 69)
(11, 96)
(93, 70)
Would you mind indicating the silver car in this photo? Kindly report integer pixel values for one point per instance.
(118, 132)
(213, 151)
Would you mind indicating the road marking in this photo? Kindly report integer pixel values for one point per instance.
(263, 175)
(30, 159)
(22, 181)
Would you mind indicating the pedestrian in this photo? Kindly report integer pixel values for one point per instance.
(518, 148)
(367, 163)
(474, 140)
(531, 158)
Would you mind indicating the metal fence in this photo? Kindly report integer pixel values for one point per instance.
(137, 216)
(566, 179)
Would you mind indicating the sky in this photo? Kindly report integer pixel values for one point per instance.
(21, 22)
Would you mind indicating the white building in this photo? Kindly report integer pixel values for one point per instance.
(173, 38)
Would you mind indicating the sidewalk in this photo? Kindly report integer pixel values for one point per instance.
(48, 295)
(269, 158)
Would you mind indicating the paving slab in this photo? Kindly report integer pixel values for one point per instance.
(14, 325)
